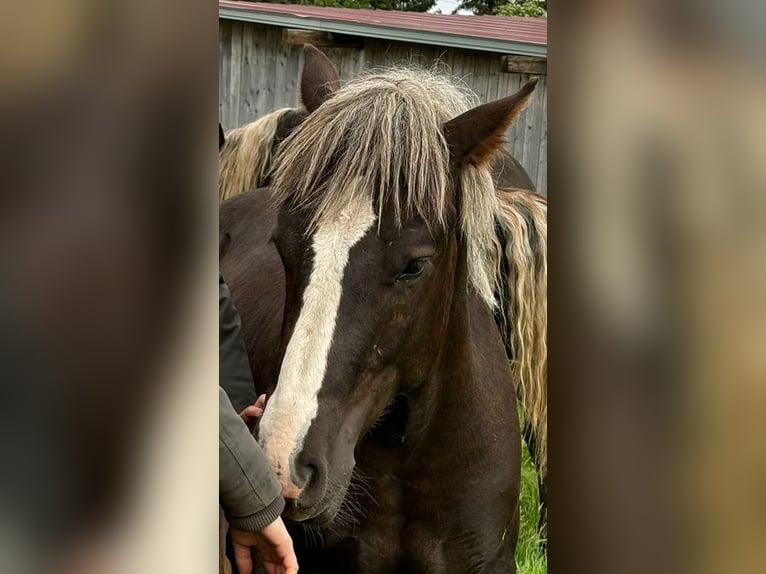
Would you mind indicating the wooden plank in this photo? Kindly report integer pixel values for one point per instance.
(321, 39)
(524, 64)
(346, 60)
(281, 97)
(267, 46)
(248, 77)
(481, 76)
(532, 134)
(224, 73)
(235, 66)
(542, 162)
(293, 72)
(492, 83)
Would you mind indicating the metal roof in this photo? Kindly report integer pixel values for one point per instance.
(504, 34)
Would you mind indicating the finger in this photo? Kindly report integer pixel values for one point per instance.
(252, 412)
(261, 402)
(251, 415)
(243, 559)
(291, 563)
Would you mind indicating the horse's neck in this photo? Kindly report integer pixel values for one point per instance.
(470, 378)
(462, 441)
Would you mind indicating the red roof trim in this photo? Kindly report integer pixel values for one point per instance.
(514, 29)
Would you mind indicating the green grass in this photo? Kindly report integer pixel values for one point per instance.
(529, 558)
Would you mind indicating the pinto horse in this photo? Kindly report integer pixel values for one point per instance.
(393, 427)
(246, 162)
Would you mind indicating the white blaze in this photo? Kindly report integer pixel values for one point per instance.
(293, 406)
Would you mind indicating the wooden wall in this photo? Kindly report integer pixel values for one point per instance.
(259, 72)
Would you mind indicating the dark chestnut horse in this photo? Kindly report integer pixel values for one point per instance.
(393, 426)
(245, 164)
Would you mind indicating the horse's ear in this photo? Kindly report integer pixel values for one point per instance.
(221, 137)
(319, 80)
(475, 136)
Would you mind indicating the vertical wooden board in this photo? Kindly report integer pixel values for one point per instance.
(493, 74)
(389, 55)
(224, 72)
(280, 68)
(386, 57)
(426, 56)
(398, 54)
(440, 61)
(542, 169)
(448, 59)
(493, 85)
(235, 68)
(436, 55)
(301, 63)
(345, 60)
(264, 50)
(503, 89)
(540, 128)
(373, 54)
(358, 62)
(247, 78)
(265, 46)
(531, 124)
(371, 46)
(407, 55)
(481, 76)
(259, 79)
(361, 59)
(458, 67)
(265, 59)
(469, 60)
(516, 132)
(520, 132)
(294, 70)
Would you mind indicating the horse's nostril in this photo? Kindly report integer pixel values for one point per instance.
(313, 475)
(306, 475)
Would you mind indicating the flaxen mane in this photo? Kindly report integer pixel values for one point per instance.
(380, 138)
(245, 159)
(523, 223)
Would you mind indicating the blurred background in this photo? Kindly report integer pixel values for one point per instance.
(107, 252)
(658, 317)
(107, 287)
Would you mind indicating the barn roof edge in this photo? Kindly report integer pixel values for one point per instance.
(522, 36)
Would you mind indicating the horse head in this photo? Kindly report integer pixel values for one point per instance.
(386, 218)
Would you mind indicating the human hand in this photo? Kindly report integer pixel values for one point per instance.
(273, 546)
(252, 414)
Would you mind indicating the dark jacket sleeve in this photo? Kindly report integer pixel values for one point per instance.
(234, 375)
(247, 488)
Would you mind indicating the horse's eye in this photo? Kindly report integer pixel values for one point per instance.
(413, 270)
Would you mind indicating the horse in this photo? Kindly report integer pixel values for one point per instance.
(394, 392)
(246, 160)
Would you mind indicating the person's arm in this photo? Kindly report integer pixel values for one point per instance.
(248, 490)
(235, 375)
(250, 496)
